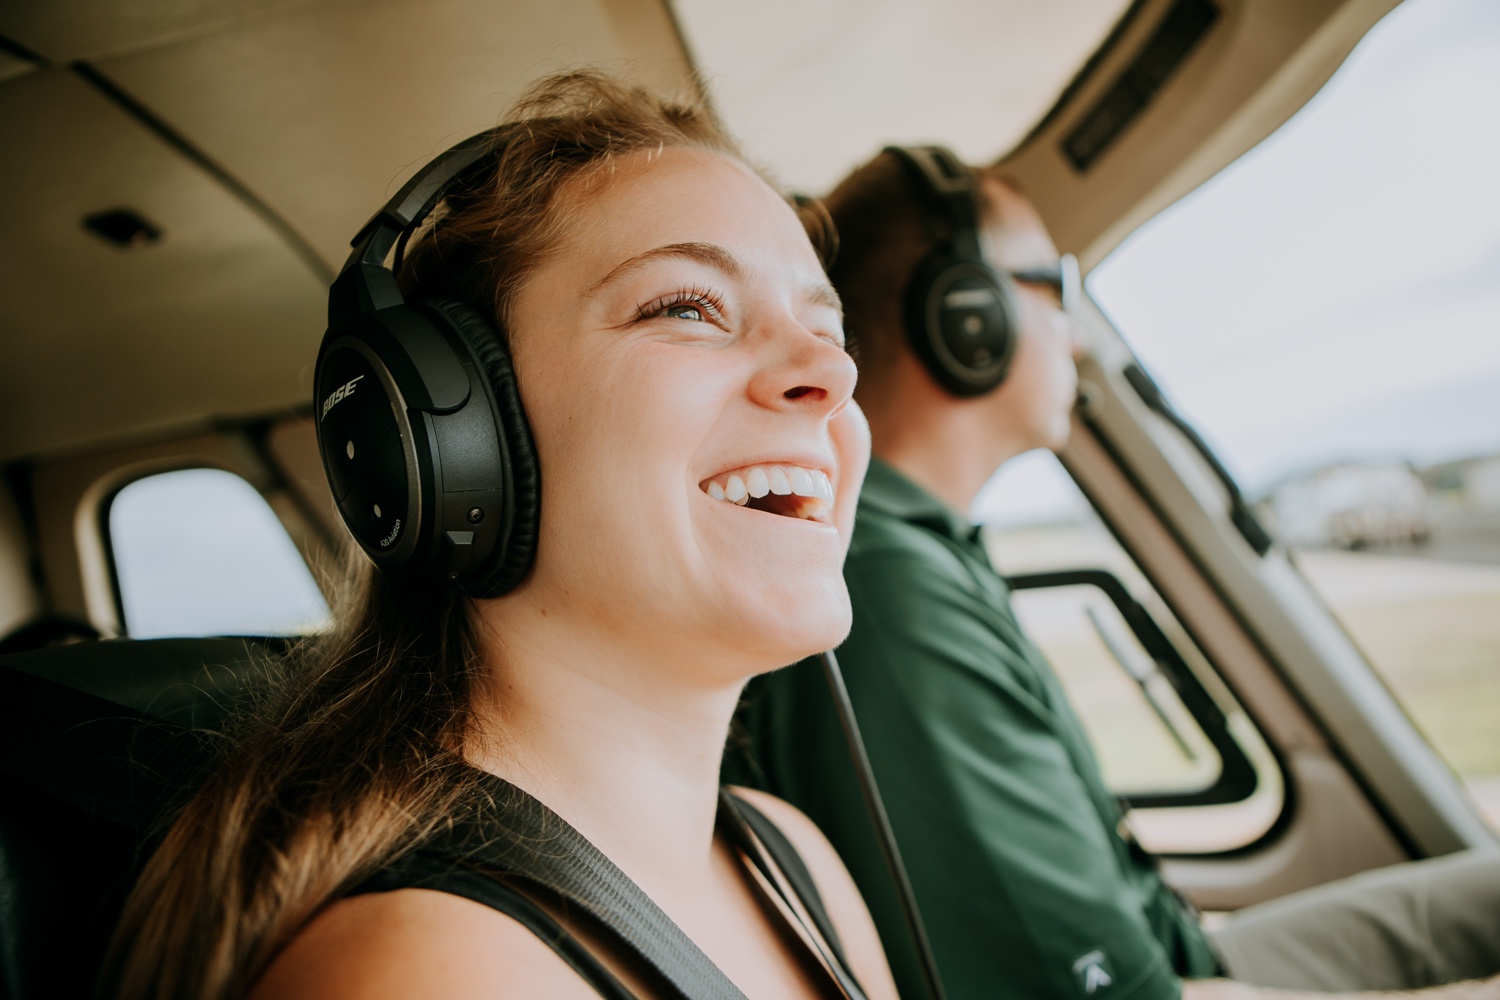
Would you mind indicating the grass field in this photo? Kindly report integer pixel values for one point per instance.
(1442, 658)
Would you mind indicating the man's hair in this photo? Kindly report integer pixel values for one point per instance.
(886, 224)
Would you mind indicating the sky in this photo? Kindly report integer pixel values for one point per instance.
(199, 552)
(1334, 294)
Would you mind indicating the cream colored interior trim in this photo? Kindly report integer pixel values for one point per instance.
(1196, 605)
(1328, 810)
(69, 494)
(657, 52)
(94, 576)
(18, 598)
(1333, 834)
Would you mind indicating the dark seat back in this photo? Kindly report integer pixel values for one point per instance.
(98, 742)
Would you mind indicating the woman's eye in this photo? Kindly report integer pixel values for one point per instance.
(684, 310)
(694, 305)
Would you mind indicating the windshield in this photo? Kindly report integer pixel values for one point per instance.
(1327, 312)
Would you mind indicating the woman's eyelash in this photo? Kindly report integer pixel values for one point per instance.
(703, 299)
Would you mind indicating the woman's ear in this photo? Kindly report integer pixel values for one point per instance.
(851, 442)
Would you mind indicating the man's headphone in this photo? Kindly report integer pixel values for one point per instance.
(418, 417)
(960, 312)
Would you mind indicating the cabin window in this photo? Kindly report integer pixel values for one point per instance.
(1324, 312)
(1172, 741)
(201, 552)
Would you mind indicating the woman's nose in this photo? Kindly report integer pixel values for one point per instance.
(809, 373)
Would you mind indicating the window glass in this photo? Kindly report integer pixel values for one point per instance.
(1325, 312)
(1148, 742)
(200, 552)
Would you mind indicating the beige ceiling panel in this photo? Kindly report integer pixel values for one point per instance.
(11, 67)
(323, 111)
(220, 317)
(648, 33)
(64, 30)
(815, 89)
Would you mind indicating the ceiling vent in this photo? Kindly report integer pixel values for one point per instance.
(122, 227)
(1178, 34)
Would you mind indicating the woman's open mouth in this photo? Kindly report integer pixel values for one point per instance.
(788, 490)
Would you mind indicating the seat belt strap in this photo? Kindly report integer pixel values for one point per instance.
(754, 833)
(424, 870)
(522, 837)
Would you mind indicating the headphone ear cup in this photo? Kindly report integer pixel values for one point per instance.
(961, 321)
(513, 556)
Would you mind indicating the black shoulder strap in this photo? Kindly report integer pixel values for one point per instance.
(423, 870)
(791, 864)
(741, 820)
(520, 836)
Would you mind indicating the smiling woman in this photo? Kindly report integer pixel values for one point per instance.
(662, 329)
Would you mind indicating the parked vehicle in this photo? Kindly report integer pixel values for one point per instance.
(1352, 506)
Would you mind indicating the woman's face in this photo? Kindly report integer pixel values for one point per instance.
(680, 350)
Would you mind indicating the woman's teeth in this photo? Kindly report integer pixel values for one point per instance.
(757, 482)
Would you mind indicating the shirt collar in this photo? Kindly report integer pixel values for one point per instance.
(890, 492)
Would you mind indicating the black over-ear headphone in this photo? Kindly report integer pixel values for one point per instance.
(418, 417)
(960, 311)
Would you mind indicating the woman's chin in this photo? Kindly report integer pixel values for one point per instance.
(808, 629)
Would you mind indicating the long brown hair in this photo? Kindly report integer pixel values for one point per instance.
(360, 755)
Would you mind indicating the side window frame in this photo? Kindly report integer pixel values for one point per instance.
(1237, 779)
(101, 514)
(107, 493)
(1259, 733)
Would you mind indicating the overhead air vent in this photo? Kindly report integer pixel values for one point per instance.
(123, 228)
(1185, 25)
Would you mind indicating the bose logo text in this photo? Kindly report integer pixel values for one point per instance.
(338, 395)
(968, 298)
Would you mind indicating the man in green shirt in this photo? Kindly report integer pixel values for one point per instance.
(1028, 880)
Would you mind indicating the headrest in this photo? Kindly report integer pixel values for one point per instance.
(117, 727)
(98, 741)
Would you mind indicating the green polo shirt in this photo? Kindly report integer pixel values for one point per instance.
(1010, 836)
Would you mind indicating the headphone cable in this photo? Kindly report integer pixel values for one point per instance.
(883, 831)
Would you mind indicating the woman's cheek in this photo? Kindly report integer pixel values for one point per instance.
(851, 442)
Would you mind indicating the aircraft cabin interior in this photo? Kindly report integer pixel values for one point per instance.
(180, 180)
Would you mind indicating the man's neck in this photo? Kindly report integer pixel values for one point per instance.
(949, 452)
